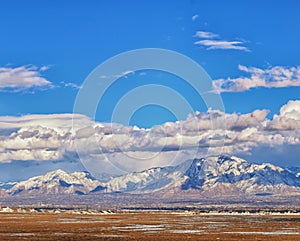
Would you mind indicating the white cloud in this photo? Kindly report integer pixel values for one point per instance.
(194, 17)
(44, 68)
(291, 110)
(70, 84)
(203, 34)
(61, 123)
(222, 44)
(289, 117)
(118, 75)
(51, 137)
(274, 77)
(212, 41)
(22, 78)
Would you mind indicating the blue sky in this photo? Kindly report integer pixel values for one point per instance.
(250, 49)
(73, 37)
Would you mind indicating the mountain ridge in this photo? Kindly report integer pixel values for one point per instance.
(212, 176)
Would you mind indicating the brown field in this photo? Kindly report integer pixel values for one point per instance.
(148, 226)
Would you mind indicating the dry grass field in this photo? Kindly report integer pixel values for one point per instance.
(148, 226)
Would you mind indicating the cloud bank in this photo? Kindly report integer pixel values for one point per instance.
(51, 137)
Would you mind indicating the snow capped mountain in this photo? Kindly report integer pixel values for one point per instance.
(211, 176)
(58, 182)
(214, 174)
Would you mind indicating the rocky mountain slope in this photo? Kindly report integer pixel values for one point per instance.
(225, 175)
(212, 176)
(58, 181)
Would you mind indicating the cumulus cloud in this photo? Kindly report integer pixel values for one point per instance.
(34, 143)
(288, 119)
(22, 78)
(213, 41)
(51, 137)
(274, 77)
(212, 132)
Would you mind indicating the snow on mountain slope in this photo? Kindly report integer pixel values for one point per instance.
(149, 180)
(212, 176)
(223, 172)
(58, 182)
(7, 185)
(294, 170)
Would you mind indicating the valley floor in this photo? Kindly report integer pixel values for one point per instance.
(147, 225)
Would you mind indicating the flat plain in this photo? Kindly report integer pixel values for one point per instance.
(149, 226)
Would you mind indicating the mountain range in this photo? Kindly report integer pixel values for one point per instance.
(211, 176)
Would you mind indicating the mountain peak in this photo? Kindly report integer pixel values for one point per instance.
(207, 172)
(58, 181)
(58, 172)
(213, 175)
